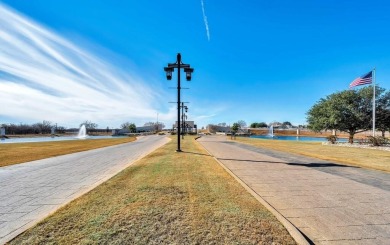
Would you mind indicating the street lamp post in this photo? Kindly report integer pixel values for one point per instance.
(188, 70)
(183, 107)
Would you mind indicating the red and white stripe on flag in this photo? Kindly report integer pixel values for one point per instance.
(363, 80)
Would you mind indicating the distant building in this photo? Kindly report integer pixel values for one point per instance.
(275, 125)
(189, 126)
(149, 128)
(216, 128)
(143, 129)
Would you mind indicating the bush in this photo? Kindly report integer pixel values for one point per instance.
(378, 140)
(332, 139)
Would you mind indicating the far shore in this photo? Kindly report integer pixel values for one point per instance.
(55, 135)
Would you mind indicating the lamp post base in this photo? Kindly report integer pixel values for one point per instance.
(178, 150)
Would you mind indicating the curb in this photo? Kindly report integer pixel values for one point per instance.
(83, 192)
(292, 230)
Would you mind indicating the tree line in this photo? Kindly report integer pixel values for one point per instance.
(240, 124)
(283, 125)
(44, 127)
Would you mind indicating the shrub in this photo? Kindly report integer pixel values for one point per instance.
(378, 140)
(332, 139)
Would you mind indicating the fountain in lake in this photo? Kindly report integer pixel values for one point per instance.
(2, 133)
(271, 131)
(82, 132)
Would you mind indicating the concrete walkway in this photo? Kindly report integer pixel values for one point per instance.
(330, 203)
(31, 191)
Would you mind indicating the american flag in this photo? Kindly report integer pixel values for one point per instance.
(363, 80)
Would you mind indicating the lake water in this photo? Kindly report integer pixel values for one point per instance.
(47, 139)
(295, 138)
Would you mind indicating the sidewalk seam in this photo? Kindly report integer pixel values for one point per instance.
(293, 230)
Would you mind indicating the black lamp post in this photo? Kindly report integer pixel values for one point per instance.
(188, 70)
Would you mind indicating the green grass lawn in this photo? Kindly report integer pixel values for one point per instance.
(367, 158)
(165, 198)
(14, 153)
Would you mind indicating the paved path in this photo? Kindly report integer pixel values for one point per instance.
(330, 203)
(30, 191)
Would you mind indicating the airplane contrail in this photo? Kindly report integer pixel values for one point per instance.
(205, 21)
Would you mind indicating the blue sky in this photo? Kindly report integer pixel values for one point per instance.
(260, 61)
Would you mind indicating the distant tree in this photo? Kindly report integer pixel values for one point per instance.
(21, 129)
(286, 124)
(236, 126)
(242, 123)
(89, 125)
(125, 125)
(37, 128)
(60, 129)
(262, 125)
(43, 127)
(132, 128)
(222, 124)
(258, 125)
(156, 125)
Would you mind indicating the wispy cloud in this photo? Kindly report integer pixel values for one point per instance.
(205, 20)
(46, 77)
(205, 116)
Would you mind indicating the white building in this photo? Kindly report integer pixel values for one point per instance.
(189, 126)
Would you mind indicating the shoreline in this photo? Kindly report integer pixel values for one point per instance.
(305, 135)
(309, 133)
(17, 136)
(357, 145)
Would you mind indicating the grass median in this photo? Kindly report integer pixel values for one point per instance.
(15, 153)
(165, 198)
(362, 157)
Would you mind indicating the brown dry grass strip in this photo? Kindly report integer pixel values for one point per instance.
(165, 198)
(24, 152)
(367, 158)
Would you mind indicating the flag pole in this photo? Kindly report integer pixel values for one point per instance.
(373, 104)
